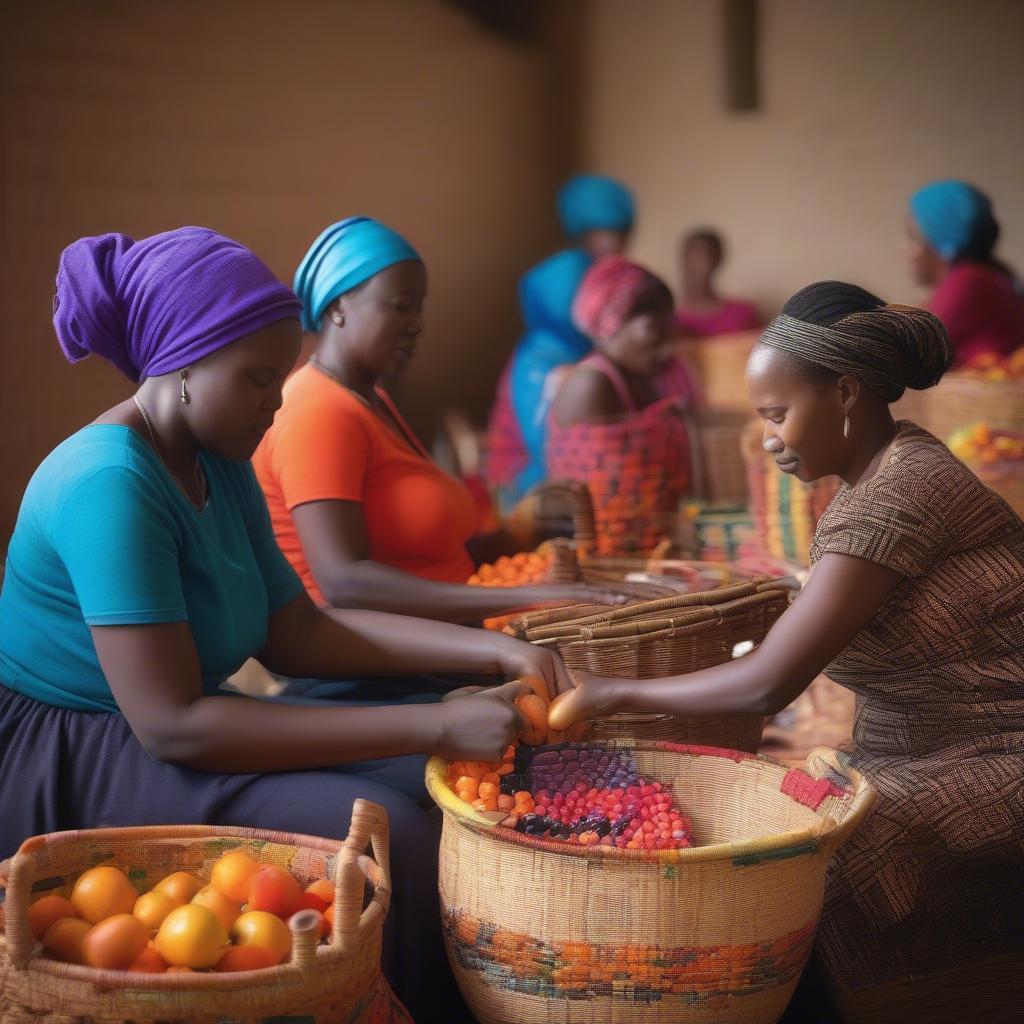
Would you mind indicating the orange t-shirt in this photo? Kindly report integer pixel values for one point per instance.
(325, 444)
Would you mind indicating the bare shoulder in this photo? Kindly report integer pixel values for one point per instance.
(586, 396)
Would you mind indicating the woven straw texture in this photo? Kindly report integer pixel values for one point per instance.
(785, 510)
(959, 399)
(338, 982)
(719, 470)
(721, 365)
(718, 933)
(667, 636)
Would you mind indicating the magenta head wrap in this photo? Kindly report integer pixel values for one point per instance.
(162, 303)
(609, 292)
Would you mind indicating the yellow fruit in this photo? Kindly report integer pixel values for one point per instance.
(191, 936)
(267, 931)
(103, 892)
(64, 939)
(226, 911)
(232, 873)
(46, 910)
(152, 907)
(116, 943)
(181, 886)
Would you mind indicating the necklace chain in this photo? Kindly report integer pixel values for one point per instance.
(327, 372)
(200, 482)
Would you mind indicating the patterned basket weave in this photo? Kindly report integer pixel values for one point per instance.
(327, 984)
(667, 636)
(785, 510)
(718, 933)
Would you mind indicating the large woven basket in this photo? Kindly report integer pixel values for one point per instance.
(337, 982)
(540, 931)
(663, 637)
(721, 365)
(719, 469)
(959, 399)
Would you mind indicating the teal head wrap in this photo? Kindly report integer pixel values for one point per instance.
(342, 258)
(950, 215)
(590, 202)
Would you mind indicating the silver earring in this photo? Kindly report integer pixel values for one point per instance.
(846, 425)
(184, 391)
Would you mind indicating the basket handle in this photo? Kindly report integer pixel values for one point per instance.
(369, 826)
(822, 761)
(16, 876)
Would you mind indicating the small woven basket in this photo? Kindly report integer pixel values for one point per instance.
(716, 934)
(667, 636)
(336, 983)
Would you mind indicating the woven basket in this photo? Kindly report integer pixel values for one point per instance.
(337, 982)
(785, 510)
(556, 508)
(667, 636)
(719, 470)
(959, 399)
(718, 933)
(721, 364)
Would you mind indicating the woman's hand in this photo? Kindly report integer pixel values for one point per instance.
(591, 697)
(517, 658)
(479, 725)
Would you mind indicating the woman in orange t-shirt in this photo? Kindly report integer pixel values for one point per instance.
(358, 507)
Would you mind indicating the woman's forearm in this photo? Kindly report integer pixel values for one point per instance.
(372, 585)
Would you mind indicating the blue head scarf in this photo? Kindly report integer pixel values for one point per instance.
(949, 214)
(590, 202)
(342, 258)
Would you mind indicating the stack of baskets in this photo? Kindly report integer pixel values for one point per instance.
(784, 510)
(336, 983)
(717, 933)
(666, 636)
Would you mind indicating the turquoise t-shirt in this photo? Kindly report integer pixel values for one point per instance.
(106, 537)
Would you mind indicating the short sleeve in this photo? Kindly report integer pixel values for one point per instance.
(282, 583)
(321, 454)
(895, 521)
(120, 546)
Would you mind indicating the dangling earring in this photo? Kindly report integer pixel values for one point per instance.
(846, 425)
(184, 391)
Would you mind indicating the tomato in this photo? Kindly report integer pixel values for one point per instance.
(46, 910)
(64, 939)
(152, 907)
(115, 944)
(232, 873)
(274, 890)
(259, 928)
(149, 961)
(181, 886)
(191, 936)
(103, 892)
(246, 958)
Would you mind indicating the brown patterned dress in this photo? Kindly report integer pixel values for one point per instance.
(934, 878)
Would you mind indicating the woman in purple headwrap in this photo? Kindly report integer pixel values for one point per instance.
(143, 571)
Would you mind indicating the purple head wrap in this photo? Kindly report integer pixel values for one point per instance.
(162, 303)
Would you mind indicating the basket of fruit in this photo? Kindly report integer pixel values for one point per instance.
(639, 881)
(667, 636)
(105, 926)
(996, 457)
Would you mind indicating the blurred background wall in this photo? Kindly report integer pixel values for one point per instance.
(268, 120)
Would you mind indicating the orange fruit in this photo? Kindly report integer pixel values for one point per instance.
(232, 873)
(274, 890)
(116, 943)
(181, 886)
(536, 712)
(149, 961)
(323, 888)
(64, 939)
(103, 892)
(152, 907)
(191, 936)
(246, 958)
(225, 910)
(46, 910)
(268, 931)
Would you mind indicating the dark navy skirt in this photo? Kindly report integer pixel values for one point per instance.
(64, 769)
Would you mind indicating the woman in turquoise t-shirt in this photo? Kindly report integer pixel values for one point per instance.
(143, 571)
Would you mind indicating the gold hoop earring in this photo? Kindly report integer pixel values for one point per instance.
(846, 425)
(185, 399)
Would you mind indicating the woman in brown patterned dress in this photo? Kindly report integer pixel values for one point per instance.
(916, 603)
